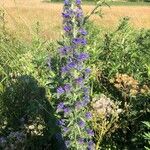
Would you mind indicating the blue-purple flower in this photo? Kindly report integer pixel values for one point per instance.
(84, 103)
(61, 122)
(90, 132)
(78, 105)
(79, 67)
(65, 129)
(67, 28)
(81, 140)
(67, 14)
(91, 145)
(60, 107)
(67, 143)
(76, 40)
(66, 2)
(81, 124)
(3, 140)
(88, 115)
(79, 13)
(79, 41)
(86, 90)
(60, 90)
(86, 98)
(79, 81)
(64, 50)
(83, 41)
(64, 69)
(67, 87)
(83, 56)
(78, 2)
(66, 111)
(87, 70)
(71, 65)
(83, 32)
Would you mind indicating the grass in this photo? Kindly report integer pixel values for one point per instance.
(112, 3)
(129, 3)
(121, 3)
(21, 17)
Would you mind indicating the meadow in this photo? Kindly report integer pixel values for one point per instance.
(22, 16)
(73, 82)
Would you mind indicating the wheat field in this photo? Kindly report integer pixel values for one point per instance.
(21, 17)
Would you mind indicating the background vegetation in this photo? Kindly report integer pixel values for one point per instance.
(115, 2)
(120, 86)
(21, 17)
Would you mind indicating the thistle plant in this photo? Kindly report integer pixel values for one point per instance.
(73, 93)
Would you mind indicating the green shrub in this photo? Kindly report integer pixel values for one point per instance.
(124, 51)
(147, 135)
(25, 93)
(27, 85)
(26, 110)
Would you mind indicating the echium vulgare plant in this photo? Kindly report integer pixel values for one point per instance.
(73, 93)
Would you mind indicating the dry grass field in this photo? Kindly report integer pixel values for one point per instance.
(22, 15)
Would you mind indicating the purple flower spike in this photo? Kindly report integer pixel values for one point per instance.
(74, 76)
(90, 132)
(88, 115)
(81, 124)
(60, 91)
(83, 56)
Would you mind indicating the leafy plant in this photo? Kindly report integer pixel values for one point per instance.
(147, 134)
(73, 91)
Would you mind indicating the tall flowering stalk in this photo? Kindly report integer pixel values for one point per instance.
(73, 94)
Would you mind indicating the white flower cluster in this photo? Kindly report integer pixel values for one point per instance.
(105, 106)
